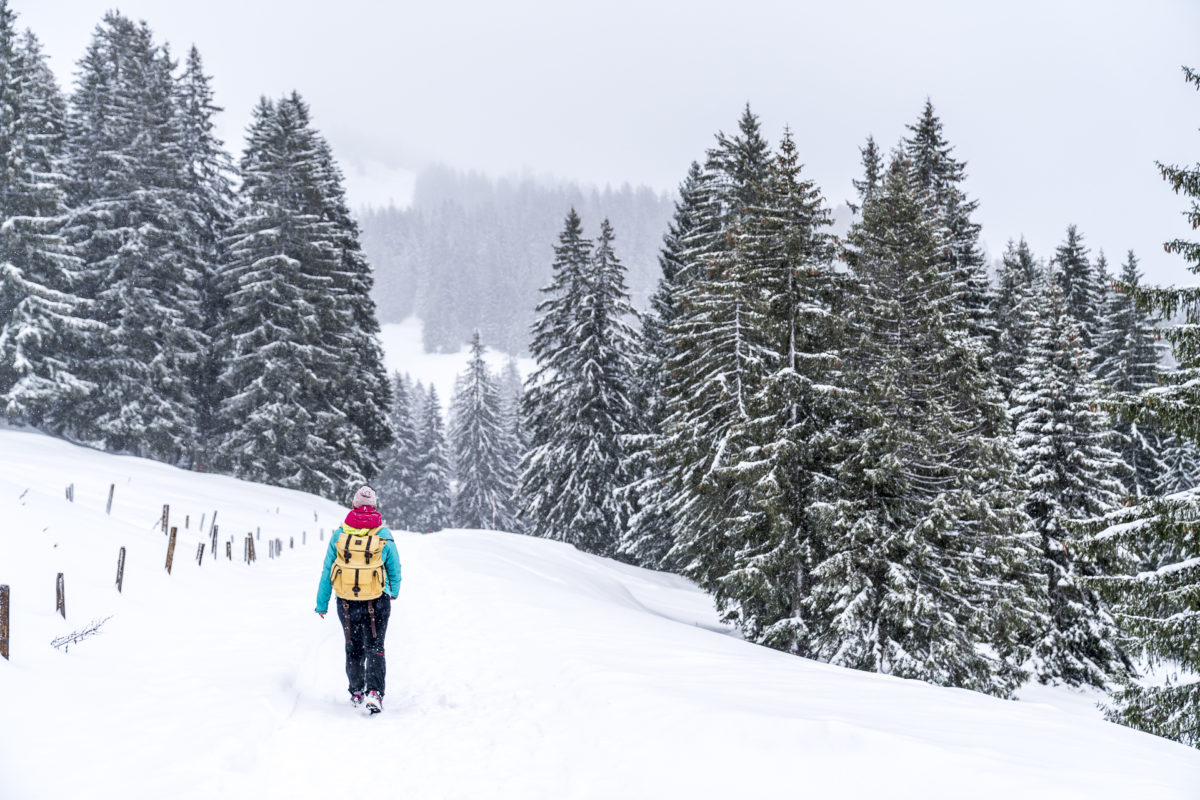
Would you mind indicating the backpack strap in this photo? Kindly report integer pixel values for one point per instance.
(367, 554)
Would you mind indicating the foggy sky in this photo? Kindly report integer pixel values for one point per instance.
(1059, 108)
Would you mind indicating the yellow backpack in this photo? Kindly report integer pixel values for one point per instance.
(357, 573)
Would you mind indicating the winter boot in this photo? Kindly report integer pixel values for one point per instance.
(356, 699)
(374, 702)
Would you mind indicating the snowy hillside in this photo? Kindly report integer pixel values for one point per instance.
(517, 668)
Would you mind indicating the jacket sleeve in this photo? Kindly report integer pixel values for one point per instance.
(391, 565)
(325, 587)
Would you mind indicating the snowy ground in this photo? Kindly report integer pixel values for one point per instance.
(519, 668)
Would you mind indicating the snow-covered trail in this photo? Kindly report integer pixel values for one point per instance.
(516, 668)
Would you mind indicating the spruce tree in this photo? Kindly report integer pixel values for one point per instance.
(714, 366)
(208, 188)
(873, 169)
(295, 344)
(397, 484)
(481, 449)
(41, 318)
(130, 226)
(1081, 284)
(1160, 607)
(782, 455)
(433, 469)
(927, 556)
(568, 489)
(1013, 310)
(648, 538)
(1063, 439)
(1127, 363)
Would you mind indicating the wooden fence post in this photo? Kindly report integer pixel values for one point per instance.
(229, 550)
(60, 596)
(214, 540)
(121, 569)
(166, 517)
(4, 622)
(187, 519)
(252, 558)
(203, 517)
(200, 555)
(291, 543)
(71, 493)
(112, 487)
(258, 533)
(171, 549)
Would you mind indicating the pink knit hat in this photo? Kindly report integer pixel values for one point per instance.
(365, 497)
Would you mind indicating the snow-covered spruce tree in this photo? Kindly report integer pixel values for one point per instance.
(40, 315)
(568, 489)
(1082, 286)
(397, 484)
(208, 187)
(545, 398)
(1013, 310)
(432, 512)
(937, 179)
(1127, 363)
(1160, 608)
(512, 390)
(1063, 440)
(714, 366)
(480, 448)
(782, 454)
(293, 341)
(873, 169)
(648, 538)
(930, 572)
(130, 225)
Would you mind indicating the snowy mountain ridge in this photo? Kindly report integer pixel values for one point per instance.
(518, 667)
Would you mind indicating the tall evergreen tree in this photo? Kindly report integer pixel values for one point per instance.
(648, 539)
(569, 481)
(1013, 310)
(873, 169)
(1127, 363)
(1161, 607)
(433, 469)
(207, 183)
(927, 532)
(1081, 284)
(1063, 440)
(130, 226)
(295, 341)
(714, 367)
(481, 449)
(397, 484)
(782, 455)
(40, 315)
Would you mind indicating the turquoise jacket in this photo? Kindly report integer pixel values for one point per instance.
(391, 567)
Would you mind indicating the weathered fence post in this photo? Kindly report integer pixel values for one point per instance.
(4, 622)
(112, 487)
(200, 554)
(291, 543)
(121, 569)
(166, 517)
(171, 549)
(60, 603)
(229, 550)
(187, 519)
(202, 518)
(71, 493)
(258, 533)
(252, 557)
(214, 540)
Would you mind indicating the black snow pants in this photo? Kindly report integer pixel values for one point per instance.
(365, 623)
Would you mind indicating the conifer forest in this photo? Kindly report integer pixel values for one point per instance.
(877, 449)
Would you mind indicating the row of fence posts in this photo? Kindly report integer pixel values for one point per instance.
(275, 547)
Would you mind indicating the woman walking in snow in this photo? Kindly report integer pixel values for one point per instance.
(362, 568)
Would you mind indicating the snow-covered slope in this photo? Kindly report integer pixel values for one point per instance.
(517, 668)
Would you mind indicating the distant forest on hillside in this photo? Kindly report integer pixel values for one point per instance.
(472, 251)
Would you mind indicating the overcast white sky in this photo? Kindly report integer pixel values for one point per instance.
(1060, 108)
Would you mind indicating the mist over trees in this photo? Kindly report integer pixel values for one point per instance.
(471, 252)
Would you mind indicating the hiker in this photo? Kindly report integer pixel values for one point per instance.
(362, 568)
